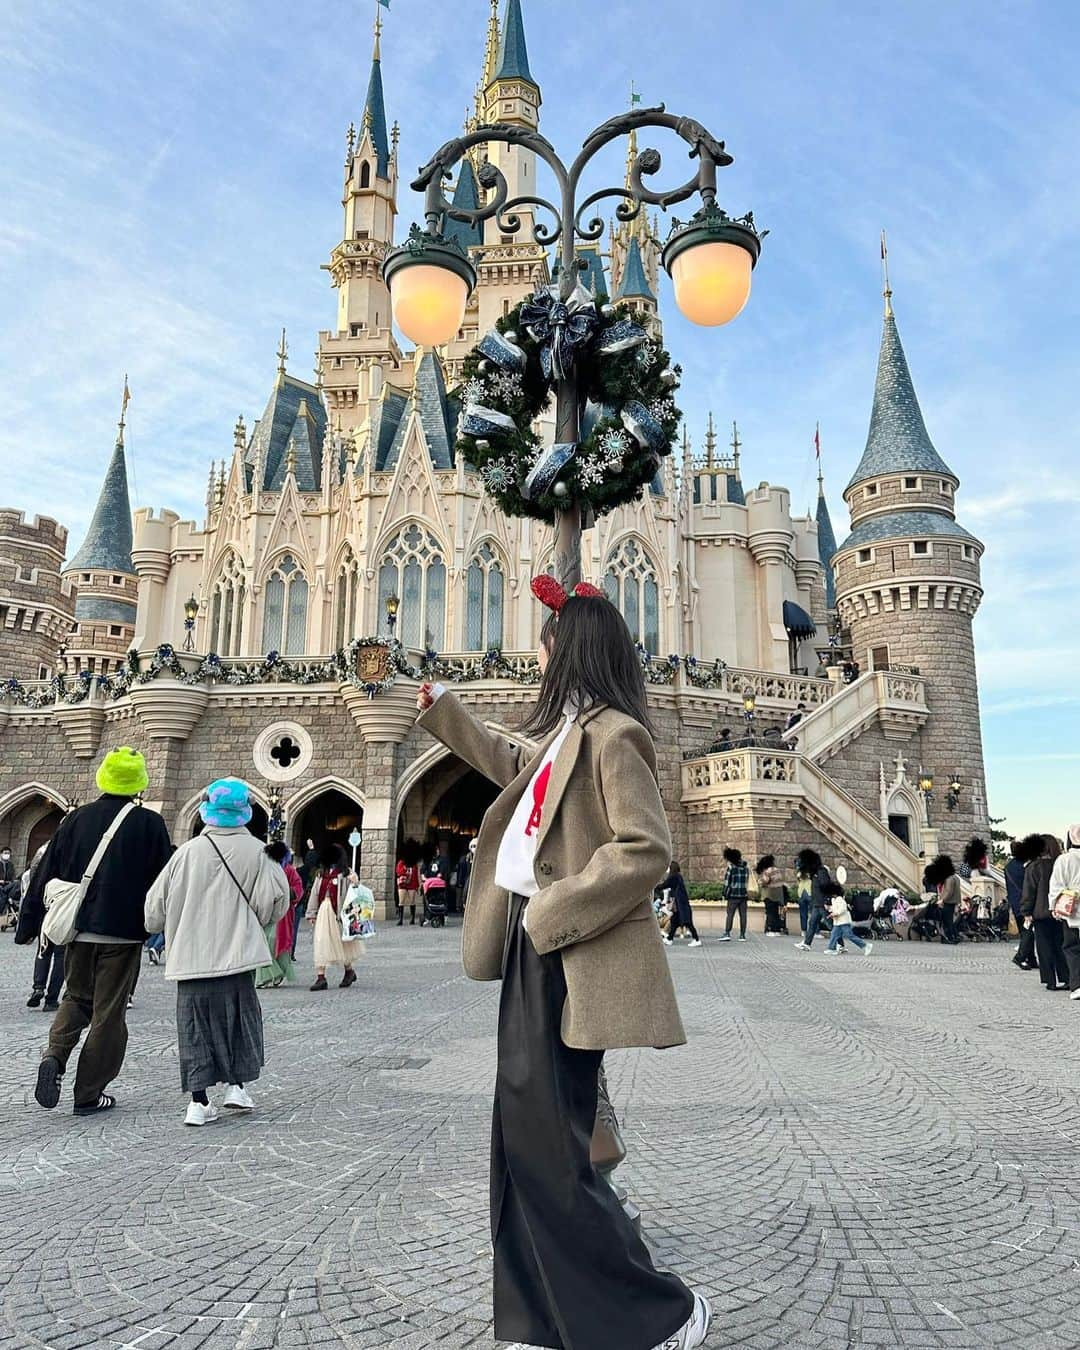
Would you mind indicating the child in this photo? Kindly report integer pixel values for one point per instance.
(842, 930)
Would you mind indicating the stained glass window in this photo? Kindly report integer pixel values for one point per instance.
(631, 583)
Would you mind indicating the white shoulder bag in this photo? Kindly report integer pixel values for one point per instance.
(64, 899)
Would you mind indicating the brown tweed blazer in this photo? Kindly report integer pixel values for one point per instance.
(603, 845)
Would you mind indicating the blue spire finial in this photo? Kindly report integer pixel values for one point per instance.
(634, 284)
(375, 108)
(107, 546)
(513, 59)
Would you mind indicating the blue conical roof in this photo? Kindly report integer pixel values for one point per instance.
(467, 196)
(634, 284)
(107, 546)
(897, 441)
(513, 60)
(375, 113)
(294, 419)
(826, 539)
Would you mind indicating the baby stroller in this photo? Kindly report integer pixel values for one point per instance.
(887, 905)
(997, 921)
(926, 922)
(10, 892)
(435, 906)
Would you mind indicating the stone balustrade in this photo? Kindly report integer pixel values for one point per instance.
(897, 702)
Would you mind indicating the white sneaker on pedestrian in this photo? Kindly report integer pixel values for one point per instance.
(1075, 994)
(830, 951)
(801, 947)
(238, 1099)
(867, 949)
(724, 937)
(197, 1114)
(668, 942)
(693, 1334)
(696, 942)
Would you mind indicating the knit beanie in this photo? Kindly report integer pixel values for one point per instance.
(122, 773)
(1074, 836)
(227, 802)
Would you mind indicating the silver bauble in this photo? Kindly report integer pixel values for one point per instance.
(511, 336)
(560, 490)
(607, 311)
(483, 446)
(669, 379)
(484, 367)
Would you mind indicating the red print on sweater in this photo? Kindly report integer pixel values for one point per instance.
(540, 788)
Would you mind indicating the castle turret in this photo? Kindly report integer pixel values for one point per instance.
(104, 575)
(369, 199)
(908, 583)
(36, 606)
(509, 264)
(635, 250)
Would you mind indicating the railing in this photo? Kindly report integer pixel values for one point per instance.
(764, 774)
(887, 696)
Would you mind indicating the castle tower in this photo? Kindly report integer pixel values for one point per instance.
(908, 584)
(36, 606)
(104, 574)
(509, 264)
(363, 335)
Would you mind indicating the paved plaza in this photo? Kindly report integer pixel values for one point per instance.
(849, 1152)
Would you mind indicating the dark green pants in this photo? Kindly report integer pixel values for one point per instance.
(100, 976)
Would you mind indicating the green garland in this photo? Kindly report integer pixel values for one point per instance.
(610, 467)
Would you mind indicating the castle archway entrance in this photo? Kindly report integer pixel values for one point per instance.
(42, 831)
(443, 811)
(326, 819)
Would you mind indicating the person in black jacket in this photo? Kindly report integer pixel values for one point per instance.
(682, 915)
(1040, 852)
(103, 959)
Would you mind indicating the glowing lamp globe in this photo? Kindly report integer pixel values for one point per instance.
(429, 279)
(710, 262)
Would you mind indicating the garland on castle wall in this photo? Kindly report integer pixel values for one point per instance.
(628, 423)
(340, 668)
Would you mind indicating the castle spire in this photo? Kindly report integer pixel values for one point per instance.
(107, 546)
(826, 535)
(512, 62)
(124, 401)
(374, 124)
(491, 56)
(282, 358)
(736, 444)
(710, 443)
(897, 441)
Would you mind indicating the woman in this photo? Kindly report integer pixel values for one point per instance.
(1041, 852)
(330, 947)
(771, 886)
(1066, 878)
(212, 901)
(813, 877)
(682, 915)
(941, 877)
(407, 880)
(559, 910)
(280, 936)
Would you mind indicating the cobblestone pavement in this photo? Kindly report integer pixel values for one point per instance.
(850, 1152)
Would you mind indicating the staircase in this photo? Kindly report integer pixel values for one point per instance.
(896, 702)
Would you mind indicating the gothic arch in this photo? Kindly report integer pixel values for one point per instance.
(303, 796)
(26, 792)
(424, 763)
(900, 800)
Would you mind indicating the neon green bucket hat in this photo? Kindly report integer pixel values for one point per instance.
(122, 773)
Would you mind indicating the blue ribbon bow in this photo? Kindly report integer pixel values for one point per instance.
(560, 327)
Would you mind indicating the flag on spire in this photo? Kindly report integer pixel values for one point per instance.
(817, 441)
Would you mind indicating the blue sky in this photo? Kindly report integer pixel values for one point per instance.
(172, 184)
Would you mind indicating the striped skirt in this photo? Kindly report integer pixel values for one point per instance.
(219, 1030)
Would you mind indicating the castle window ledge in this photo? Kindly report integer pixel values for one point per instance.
(911, 485)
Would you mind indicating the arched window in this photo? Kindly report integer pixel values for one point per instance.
(346, 591)
(227, 609)
(365, 174)
(484, 588)
(413, 569)
(285, 599)
(630, 583)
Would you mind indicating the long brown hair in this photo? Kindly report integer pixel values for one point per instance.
(593, 662)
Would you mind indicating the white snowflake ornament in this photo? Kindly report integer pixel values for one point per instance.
(613, 446)
(498, 476)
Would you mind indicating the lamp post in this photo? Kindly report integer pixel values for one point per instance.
(926, 787)
(191, 613)
(393, 604)
(710, 258)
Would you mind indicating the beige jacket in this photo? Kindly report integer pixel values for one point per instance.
(210, 929)
(603, 845)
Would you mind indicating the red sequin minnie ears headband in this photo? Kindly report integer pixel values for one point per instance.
(550, 593)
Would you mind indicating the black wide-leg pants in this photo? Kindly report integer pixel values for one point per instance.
(570, 1271)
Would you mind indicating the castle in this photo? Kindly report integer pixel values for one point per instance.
(345, 513)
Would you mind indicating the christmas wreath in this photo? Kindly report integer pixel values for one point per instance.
(628, 422)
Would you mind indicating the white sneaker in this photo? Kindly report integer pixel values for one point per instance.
(830, 951)
(696, 942)
(197, 1114)
(668, 942)
(693, 1334)
(801, 947)
(238, 1099)
(1075, 994)
(724, 937)
(868, 949)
